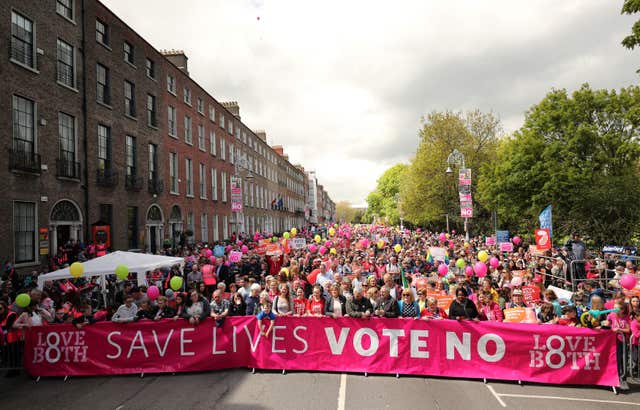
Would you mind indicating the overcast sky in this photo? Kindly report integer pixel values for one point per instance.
(342, 85)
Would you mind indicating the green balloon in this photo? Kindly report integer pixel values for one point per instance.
(176, 282)
(286, 235)
(122, 272)
(23, 300)
(461, 263)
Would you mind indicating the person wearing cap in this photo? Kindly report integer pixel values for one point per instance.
(517, 300)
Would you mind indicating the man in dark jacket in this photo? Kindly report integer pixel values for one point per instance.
(359, 306)
(387, 306)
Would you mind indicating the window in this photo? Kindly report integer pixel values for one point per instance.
(132, 226)
(66, 71)
(212, 113)
(102, 81)
(230, 128)
(130, 153)
(104, 147)
(171, 114)
(204, 228)
(152, 119)
(231, 156)
(203, 181)
(65, 8)
(201, 137)
(67, 135)
(214, 184)
(129, 98)
(222, 121)
(24, 231)
(187, 95)
(216, 236)
(223, 177)
(223, 154)
(173, 173)
(22, 40)
(171, 84)
(189, 176)
(102, 32)
(212, 142)
(187, 130)
(129, 57)
(200, 106)
(153, 162)
(190, 226)
(225, 226)
(151, 68)
(24, 132)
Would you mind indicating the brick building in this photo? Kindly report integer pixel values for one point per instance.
(102, 129)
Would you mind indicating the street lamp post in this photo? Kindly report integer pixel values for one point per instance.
(398, 205)
(456, 158)
(241, 173)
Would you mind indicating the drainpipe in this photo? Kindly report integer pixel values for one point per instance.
(84, 127)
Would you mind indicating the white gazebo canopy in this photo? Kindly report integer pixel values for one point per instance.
(140, 263)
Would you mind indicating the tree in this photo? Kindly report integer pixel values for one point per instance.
(384, 201)
(428, 193)
(579, 153)
(345, 212)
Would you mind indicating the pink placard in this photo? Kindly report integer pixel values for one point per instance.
(545, 354)
(235, 256)
(506, 247)
(490, 240)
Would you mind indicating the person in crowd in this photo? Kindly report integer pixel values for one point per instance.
(145, 311)
(569, 316)
(462, 308)
(266, 313)
(219, 308)
(86, 318)
(336, 305)
(316, 303)
(550, 297)
(517, 300)
(197, 308)
(634, 304)
(407, 306)
(359, 306)
(126, 312)
(164, 311)
(33, 315)
(10, 338)
(547, 314)
(373, 294)
(237, 306)
(387, 305)
(282, 302)
(252, 300)
(432, 310)
(488, 308)
(299, 303)
(635, 343)
(621, 325)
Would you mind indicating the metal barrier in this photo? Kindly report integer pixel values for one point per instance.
(11, 356)
(632, 361)
(558, 280)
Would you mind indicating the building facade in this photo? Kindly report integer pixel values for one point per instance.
(111, 140)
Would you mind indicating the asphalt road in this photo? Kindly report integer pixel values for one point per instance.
(239, 389)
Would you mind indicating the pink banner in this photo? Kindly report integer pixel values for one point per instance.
(537, 353)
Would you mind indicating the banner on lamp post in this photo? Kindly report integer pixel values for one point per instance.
(236, 194)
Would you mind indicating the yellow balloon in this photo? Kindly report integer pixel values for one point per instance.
(317, 238)
(448, 236)
(483, 256)
(333, 251)
(380, 244)
(397, 248)
(467, 244)
(76, 269)
(332, 231)
(294, 231)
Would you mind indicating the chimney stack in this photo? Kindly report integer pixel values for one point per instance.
(178, 58)
(261, 134)
(233, 108)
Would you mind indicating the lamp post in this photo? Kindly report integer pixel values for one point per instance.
(456, 158)
(396, 197)
(241, 173)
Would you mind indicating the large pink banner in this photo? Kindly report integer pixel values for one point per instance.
(537, 353)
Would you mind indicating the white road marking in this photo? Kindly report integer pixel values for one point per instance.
(531, 396)
(342, 393)
(119, 407)
(496, 395)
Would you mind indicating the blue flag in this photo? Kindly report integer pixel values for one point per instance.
(546, 220)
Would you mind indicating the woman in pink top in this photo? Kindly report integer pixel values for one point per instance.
(635, 338)
(488, 309)
(621, 325)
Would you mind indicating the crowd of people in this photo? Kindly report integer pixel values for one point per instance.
(362, 271)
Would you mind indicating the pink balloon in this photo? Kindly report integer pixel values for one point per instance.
(239, 242)
(443, 269)
(212, 259)
(494, 262)
(516, 240)
(228, 248)
(323, 250)
(244, 249)
(209, 253)
(628, 281)
(153, 292)
(452, 244)
(365, 242)
(480, 269)
(468, 270)
(516, 281)
(327, 244)
(312, 248)
(442, 237)
(609, 304)
(453, 232)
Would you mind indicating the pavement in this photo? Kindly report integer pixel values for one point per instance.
(239, 389)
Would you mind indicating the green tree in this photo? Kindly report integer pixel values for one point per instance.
(579, 153)
(384, 201)
(633, 39)
(427, 192)
(345, 212)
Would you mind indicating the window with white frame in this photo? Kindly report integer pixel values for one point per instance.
(152, 120)
(231, 154)
(223, 177)
(204, 228)
(173, 173)
(200, 106)
(225, 227)
(103, 88)
(102, 32)
(201, 145)
(223, 148)
(171, 84)
(214, 184)
(187, 95)
(66, 70)
(24, 231)
(24, 127)
(129, 55)
(221, 121)
(65, 8)
(190, 227)
(171, 118)
(216, 235)
(187, 130)
(212, 113)
(129, 98)
(203, 181)
(230, 128)
(212, 142)
(67, 135)
(189, 176)
(150, 67)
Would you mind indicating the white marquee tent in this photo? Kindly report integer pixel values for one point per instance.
(139, 263)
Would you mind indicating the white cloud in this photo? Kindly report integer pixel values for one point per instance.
(342, 84)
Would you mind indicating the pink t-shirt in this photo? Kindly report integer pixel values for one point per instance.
(618, 322)
(635, 332)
